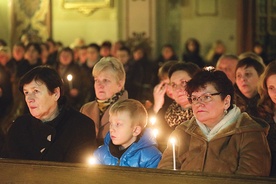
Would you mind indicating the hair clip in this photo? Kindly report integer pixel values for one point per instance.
(209, 68)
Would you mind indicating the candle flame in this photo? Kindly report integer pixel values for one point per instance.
(153, 120)
(69, 77)
(91, 160)
(172, 140)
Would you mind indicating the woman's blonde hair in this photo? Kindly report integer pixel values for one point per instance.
(112, 64)
(136, 110)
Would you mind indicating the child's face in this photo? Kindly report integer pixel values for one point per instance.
(121, 130)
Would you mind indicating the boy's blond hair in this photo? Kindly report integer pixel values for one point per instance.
(136, 110)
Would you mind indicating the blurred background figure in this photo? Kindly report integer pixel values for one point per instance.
(192, 52)
(116, 46)
(44, 53)
(167, 54)
(227, 64)
(82, 55)
(105, 50)
(260, 50)
(72, 88)
(53, 51)
(92, 57)
(124, 55)
(145, 76)
(6, 94)
(25, 39)
(217, 50)
(32, 58)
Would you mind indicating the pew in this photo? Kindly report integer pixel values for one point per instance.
(29, 172)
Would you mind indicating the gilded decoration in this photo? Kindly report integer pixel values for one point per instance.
(86, 7)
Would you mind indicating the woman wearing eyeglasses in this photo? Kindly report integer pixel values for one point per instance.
(219, 138)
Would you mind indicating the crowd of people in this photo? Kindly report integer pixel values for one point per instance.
(67, 104)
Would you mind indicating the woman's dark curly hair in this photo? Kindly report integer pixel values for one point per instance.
(214, 77)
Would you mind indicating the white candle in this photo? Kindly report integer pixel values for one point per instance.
(70, 78)
(172, 140)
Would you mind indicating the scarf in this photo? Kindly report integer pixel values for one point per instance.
(175, 114)
(227, 120)
(104, 104)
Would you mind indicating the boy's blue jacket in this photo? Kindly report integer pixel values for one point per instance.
(143, 153)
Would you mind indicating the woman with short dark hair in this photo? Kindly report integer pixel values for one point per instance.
(52, 131)
(219, 138)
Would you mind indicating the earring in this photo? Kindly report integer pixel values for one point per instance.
(225, 111)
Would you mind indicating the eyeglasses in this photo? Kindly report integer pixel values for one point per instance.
(177, 86)
(205, 98)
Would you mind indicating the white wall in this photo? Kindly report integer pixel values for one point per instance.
(5, 20)
(208, 29)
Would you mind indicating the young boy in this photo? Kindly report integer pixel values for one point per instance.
(128, 142)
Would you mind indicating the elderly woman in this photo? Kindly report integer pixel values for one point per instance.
(267, 108)
(52, 131)
(109, 75)
(219, 138)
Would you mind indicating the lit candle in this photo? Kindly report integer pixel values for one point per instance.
(153, 120)
(91, 161)
(172, 140)
(70, 78)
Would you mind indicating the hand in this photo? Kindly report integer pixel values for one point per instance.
(159, 96)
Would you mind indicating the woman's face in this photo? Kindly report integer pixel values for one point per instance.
(41, 103)
(271, 87)
(138, 54)
(211, 112)
(65, 58)
(18, 52)
(167, 53)
(191, 46)
(44, 51)
(32, 54)
(247, 81)
(106, 84)
(178, 82)
(92, 54)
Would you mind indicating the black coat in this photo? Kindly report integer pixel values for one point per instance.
(70, 137)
